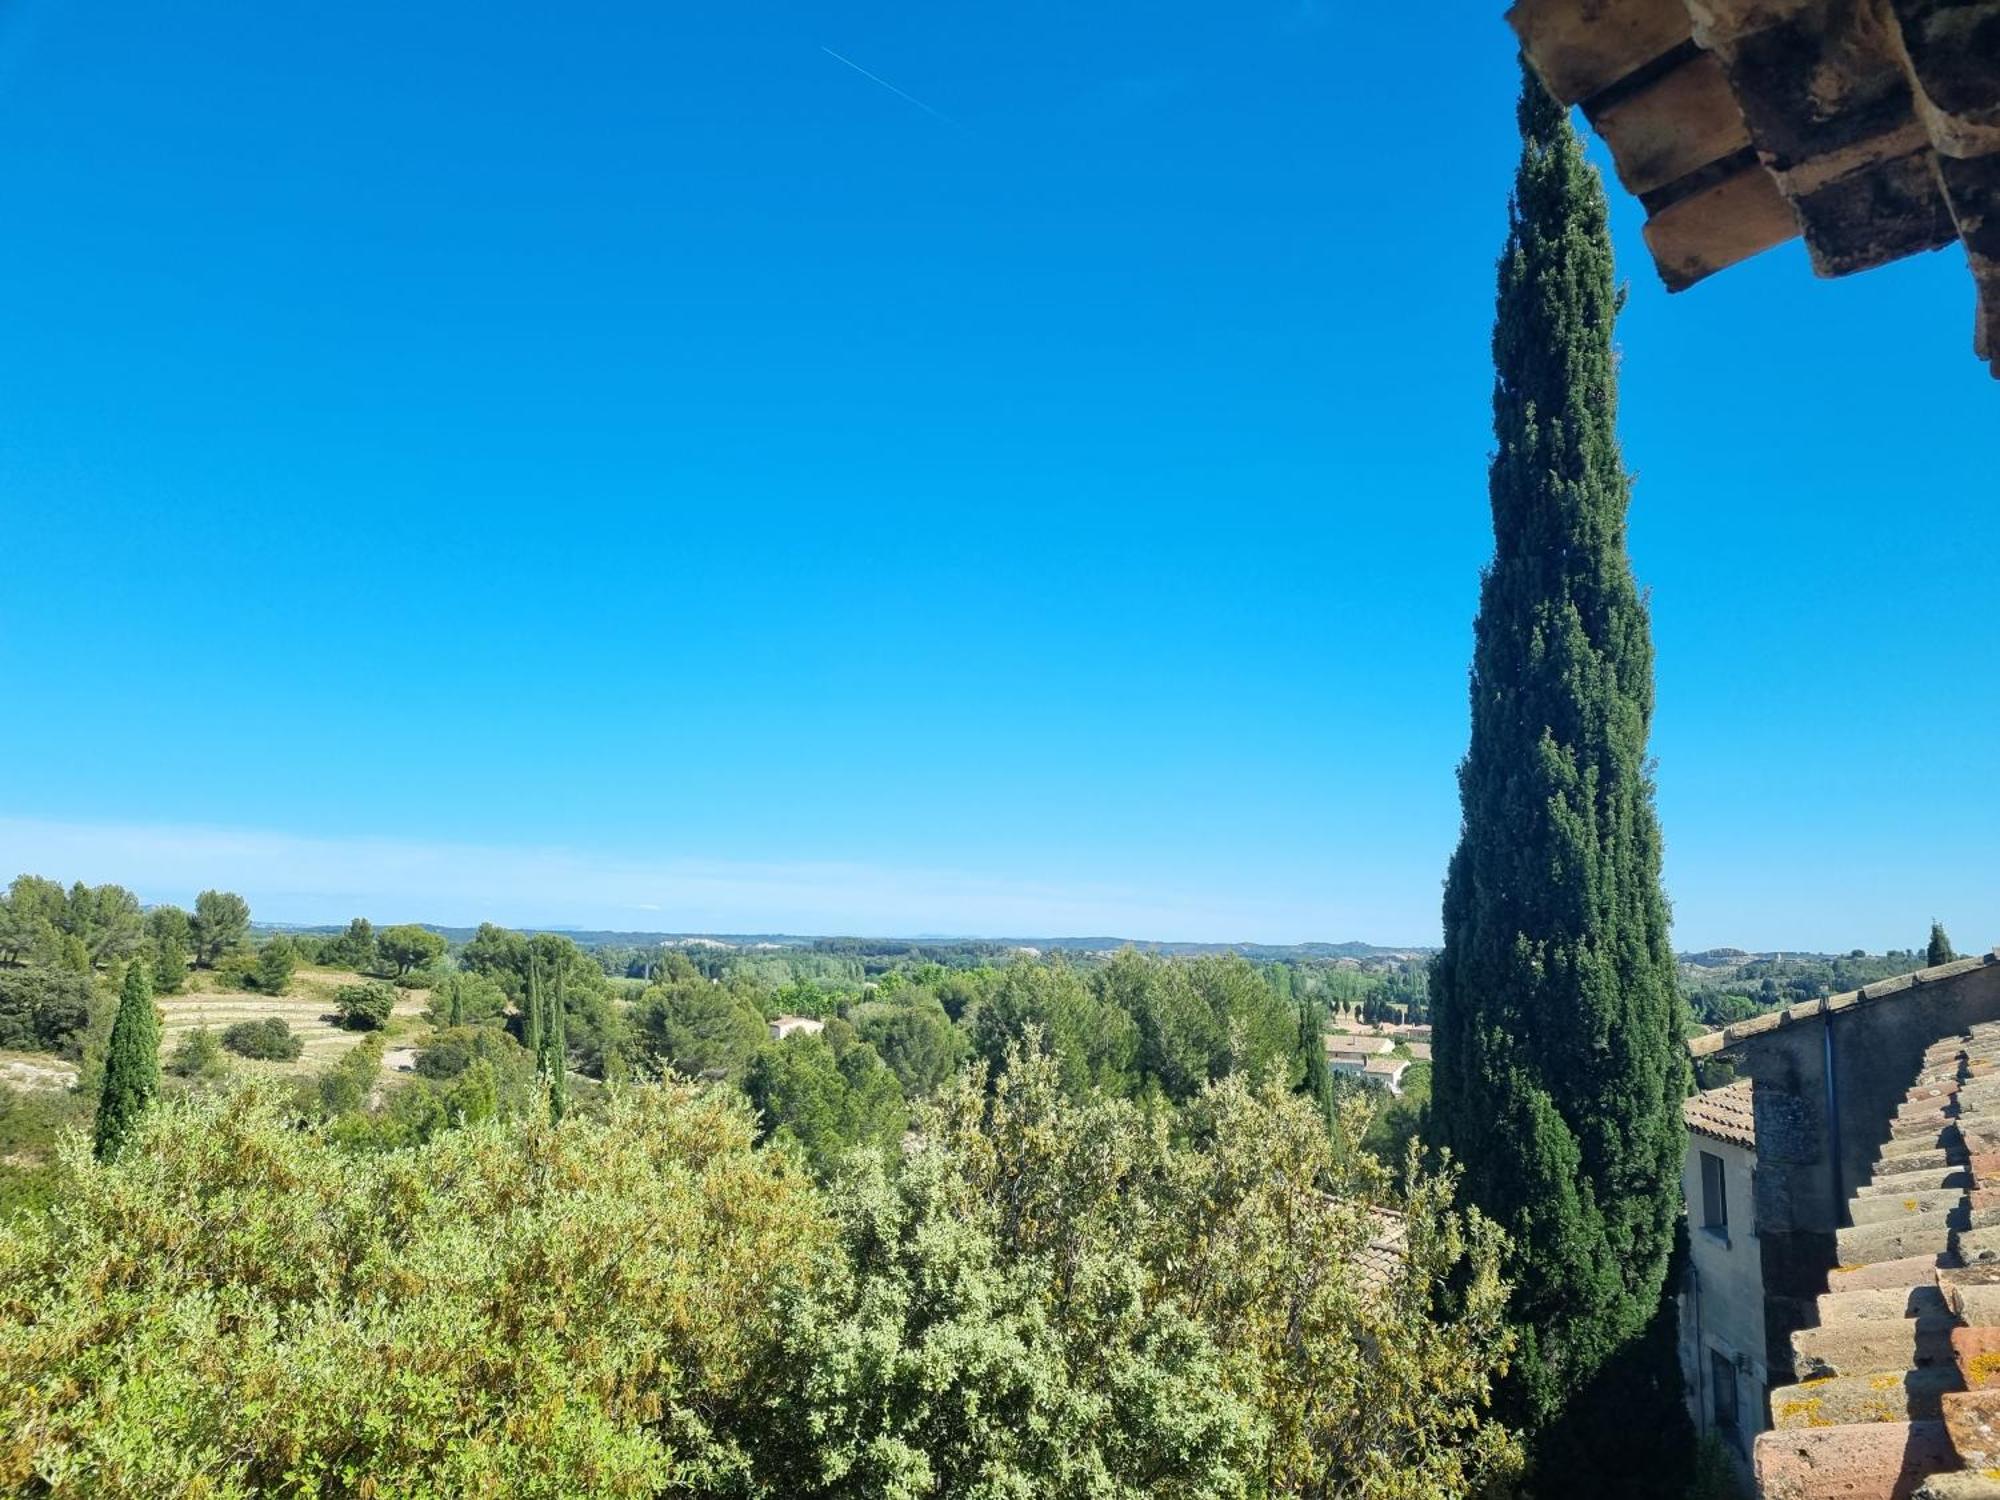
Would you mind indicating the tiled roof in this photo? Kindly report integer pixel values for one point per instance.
(1382, 1257)
(1723, 1114)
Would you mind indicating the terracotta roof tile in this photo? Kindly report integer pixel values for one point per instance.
(1723, 1114)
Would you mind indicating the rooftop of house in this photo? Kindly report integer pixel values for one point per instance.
(1872, 127)
(1360, 1046)
(1383, 1255)
(1869, 994)
(1723, 1114)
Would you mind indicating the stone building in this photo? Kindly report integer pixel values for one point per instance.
(1841, 1318)
(1723, 1342)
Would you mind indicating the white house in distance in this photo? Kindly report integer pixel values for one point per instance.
(1387, 1071)
(784, 1026)
(1723, 1360)
(1367, 1057)
(1357, 1049)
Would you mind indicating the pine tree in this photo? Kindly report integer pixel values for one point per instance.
(1939, 951)
(131, 1065)
(1559, 1068)
(552, 1058)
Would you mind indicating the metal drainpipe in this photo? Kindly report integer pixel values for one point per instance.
(1832, 1111)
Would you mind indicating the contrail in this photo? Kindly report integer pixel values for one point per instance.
(911, 98)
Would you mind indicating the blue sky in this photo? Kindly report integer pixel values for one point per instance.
(616, 464)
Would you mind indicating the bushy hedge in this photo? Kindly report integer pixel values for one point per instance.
(365, 1007)
(1035, 1296)
(44, 1009)
(511, 1309)
(268, 1040)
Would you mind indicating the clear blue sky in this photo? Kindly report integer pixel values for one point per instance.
(618, 464)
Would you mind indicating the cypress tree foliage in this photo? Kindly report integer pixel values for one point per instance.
(1317, 1084)
(531, 1029)
(552, 1057)
(1939, 951)
(1559, 1068)
(131, 1065)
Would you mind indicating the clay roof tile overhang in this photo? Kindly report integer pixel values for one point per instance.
(1723, 1114)
(1872, 127)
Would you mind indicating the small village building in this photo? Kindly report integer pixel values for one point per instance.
(1723, 1341)
(1419, 1051)
(784, 1026)
(1344, 1045)
(1386, 1071)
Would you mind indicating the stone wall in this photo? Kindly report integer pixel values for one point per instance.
(1827, 1078)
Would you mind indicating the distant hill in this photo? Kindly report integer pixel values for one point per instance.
(606, 937)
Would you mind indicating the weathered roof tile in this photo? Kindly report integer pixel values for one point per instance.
(1723, 1114)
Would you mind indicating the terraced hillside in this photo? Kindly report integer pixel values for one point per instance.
(307, 1008)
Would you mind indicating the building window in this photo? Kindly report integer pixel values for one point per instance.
(1714, 1201)
(1722, 1393)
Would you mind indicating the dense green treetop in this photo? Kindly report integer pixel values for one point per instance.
(221, 922)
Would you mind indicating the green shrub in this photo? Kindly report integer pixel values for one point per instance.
(199, 1055)
(268, 1040)
(44, 1009)
(345, 1087)
(31, 1122)
(365, 1007)
(464, 1000)
(582, 1310)
(448, 1053)
(237, 969)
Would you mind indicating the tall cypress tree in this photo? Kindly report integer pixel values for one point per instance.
(531, 1028)
(1939, 951)
(552, 1059)
(131, 1064)
(1317, 1084)
(1559, 1065)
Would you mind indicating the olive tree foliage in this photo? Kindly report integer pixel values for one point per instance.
(1056, 1296)
(237, 1307)
(1039, 1295)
